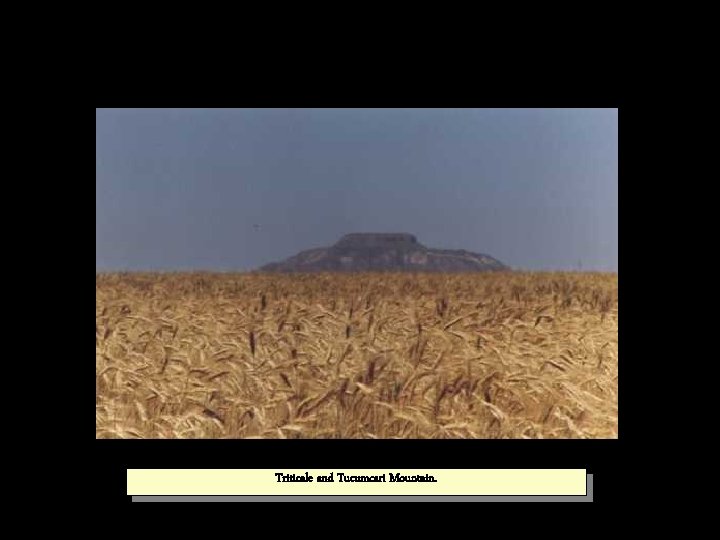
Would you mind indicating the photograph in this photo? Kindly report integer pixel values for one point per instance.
(356, 273)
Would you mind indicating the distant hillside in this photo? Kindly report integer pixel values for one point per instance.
(398, 252)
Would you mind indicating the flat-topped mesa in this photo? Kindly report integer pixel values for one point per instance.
(378, 240)
(397, 252)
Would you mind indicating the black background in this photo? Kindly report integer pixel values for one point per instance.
(294, 82)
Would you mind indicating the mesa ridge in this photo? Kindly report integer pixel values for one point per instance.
(358, 252)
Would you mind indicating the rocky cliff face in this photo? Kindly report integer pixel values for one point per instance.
(360, 252)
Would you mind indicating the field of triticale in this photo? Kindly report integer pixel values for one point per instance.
(485, 355)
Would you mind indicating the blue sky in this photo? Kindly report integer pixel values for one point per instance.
(181, 189)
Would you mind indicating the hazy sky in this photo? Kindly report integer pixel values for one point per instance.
(180, 189)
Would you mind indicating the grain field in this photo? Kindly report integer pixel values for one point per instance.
(489, 355)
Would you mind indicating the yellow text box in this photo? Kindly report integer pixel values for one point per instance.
(356, 482)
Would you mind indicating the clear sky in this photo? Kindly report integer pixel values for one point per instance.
(182, 189)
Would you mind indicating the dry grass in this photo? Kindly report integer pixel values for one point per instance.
(497, 355)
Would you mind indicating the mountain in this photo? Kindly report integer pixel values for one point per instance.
(397, 252)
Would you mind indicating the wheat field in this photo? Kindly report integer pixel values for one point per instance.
(490, 355)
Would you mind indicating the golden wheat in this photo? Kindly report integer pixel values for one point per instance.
(493, 355)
